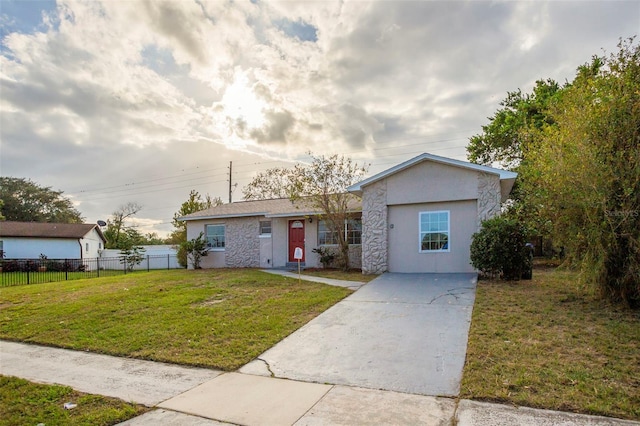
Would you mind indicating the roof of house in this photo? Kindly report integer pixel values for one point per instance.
(278, 207)
(47, 230)
(506, 177)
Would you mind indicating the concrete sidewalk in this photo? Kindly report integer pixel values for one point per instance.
(353, 285)
(202, 397)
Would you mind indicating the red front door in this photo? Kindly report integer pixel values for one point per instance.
(296, 239)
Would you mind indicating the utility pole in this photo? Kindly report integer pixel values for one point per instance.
(230, 171)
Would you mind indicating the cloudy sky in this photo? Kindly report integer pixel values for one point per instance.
(143, 101)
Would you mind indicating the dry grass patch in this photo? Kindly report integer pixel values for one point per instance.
(547, 343)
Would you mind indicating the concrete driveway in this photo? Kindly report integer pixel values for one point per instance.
(401, 332)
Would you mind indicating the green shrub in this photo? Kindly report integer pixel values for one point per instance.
(196, 249)
(499, 249)
(327, 256)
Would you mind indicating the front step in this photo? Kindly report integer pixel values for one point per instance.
(294, 265)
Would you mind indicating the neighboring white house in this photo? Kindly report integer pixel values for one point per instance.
(30, 240)
(418, 216)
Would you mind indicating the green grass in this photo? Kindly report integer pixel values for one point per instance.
(212, 318)
(548, 343)
(26, 403)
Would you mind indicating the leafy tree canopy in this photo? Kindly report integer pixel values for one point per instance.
(119, 235)
(583, 173)
(321, 185)
(504, 139)
(25, 201)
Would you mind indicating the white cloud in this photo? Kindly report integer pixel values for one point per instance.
(105, 93)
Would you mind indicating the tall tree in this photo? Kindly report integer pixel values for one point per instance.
(277, 182)
(195, 203)
(321, 185)
(23, 200)
(584, 172)
(505, 138)
(119, 235)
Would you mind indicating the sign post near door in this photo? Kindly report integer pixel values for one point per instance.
(298, 254)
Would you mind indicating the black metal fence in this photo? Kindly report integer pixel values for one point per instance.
(34, 271)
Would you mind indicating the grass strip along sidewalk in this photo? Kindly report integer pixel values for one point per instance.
(547, 343)
(25, 403)
(219, 318)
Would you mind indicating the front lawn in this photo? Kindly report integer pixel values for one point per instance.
(217, 318)
(547, 343)
(26, 403)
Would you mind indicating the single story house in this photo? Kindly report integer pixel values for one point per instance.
(265, 233)
(29, 240)
(418, 216)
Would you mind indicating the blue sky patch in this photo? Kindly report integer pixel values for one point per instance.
(23, 16)
(298, 29)
(160, 60)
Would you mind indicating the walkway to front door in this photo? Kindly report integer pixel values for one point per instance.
(400, 332)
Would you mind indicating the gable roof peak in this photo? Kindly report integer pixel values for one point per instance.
(503, 174)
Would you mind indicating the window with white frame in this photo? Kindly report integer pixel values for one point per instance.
(352, 232)
(265, 228)
(434, 231)
(215, 236)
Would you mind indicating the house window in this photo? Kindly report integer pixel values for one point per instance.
(1, 249)
(434, 231)
(352, 232)
(215, 236)
(99, 246)
(86, 247)
(265, 228)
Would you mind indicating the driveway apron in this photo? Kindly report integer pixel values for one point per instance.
(401, 332)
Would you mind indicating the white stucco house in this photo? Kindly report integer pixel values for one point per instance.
(28, 240)
(418, 216)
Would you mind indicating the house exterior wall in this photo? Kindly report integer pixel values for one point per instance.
(242, 242)
(245, 248)
(489, 195)
(266, 251)
(214, 259)
(280, 227)
(94, 243)
(404, 238)
(470, 196)
(280, 237)
(374, 250)
(431, 182)
(31, 248)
